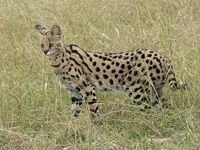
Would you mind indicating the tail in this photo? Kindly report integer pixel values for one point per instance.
(171, 77)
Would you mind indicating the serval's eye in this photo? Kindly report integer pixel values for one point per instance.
(51, 45)
(42, 45)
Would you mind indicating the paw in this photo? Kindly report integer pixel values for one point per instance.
(183, 86)
(75, 110)
(76, 113)
(94, 113)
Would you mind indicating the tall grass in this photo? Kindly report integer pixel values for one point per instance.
(35, 112)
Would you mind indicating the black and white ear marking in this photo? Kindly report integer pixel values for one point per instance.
(40, 28)
(55, 30)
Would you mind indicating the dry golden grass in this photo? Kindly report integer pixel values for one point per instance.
(35, 112)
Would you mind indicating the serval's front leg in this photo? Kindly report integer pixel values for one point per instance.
(83, 92)
(91, 100)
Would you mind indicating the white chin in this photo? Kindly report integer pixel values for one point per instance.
(49, 53)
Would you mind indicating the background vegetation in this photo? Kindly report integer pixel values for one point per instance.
(35, 112)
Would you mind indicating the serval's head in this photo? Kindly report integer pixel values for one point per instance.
(51, 41)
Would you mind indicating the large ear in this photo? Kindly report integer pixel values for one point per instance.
(41, 29)
(56, 31)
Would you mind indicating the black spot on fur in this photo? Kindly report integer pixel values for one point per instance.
(136, 58)
(157, 71)
(113, 71)
(77, 76)
(105, 76)
(125, 58)
(104, 58)
(138, 81)
(94, 63)
(143, 69)
(132, 84)
(130, 94)
(129, 67)
(149, 55)
(121, 71)
(117, 63)
(72, 76)
(97, 69)
(139, 64)
(111, 81)
(87, 93)
(135, 73)
(78, 89)
(131, 58)
(122, 66)
(129, 78)
(136, 89)
(142, 56)
(69, 69)
(95, 55)
(96, 76)
(120, 56)
(108, 67)
(84, 84)
(158, 60)
(137, 96)
(100, 83)
(79, 72)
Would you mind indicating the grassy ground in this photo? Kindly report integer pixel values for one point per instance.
(35, 112)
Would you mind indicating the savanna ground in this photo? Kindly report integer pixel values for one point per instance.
(35, 111)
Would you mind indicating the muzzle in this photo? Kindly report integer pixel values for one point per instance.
(45, 51)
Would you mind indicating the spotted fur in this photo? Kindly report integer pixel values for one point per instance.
(141, 73)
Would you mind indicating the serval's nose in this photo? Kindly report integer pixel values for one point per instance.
(45, 51)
